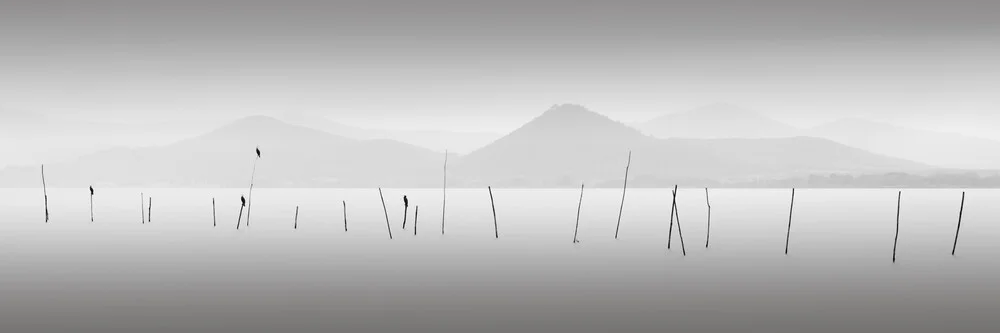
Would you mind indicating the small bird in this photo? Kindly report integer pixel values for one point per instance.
(406, 206)
(406, 203)
(91, 190)
(258, 151)
(243, 200)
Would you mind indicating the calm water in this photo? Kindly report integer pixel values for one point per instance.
(178, 273)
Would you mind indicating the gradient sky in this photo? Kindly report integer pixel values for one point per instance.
(491, 65)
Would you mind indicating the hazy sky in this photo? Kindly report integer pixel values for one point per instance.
(495, 64)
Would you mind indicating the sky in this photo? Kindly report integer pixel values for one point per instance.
(492, 65)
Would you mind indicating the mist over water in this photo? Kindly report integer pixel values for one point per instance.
(178, 273)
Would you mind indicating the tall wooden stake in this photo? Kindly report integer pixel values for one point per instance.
(406, 207)
(386, 211)
(899, 200)
(677, 214)
(788, 233)
(624, 186)
(444, 190)
(213, 212)
(296, 218)
(250, 193)
(496, 232)
(149, 214)
(243, 203)
(708, 228)
(673, 209)
(576, 229)
(416, 212)
(45, 194)
(345, 215)
(959, 227)
(91, 204)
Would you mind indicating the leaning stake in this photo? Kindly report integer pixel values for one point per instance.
(673, 208)
(959, 227)
(296, 218)
(624, 186)
(899, 199)
(677, 214)
(213, 212)
(45, 193)
(576, 230)
(416, 211)
(345, 215)
(496, 233)
(243, 203)
(788, 233)
(386, 211)
(250, 193)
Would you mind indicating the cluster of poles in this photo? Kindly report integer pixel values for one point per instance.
(146, 210)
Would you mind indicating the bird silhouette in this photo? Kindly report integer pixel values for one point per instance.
(243, 200)
(258, 151)
(406, 203)
(91, 190)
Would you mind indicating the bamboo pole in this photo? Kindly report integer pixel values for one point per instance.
(91, 204)
(788, 233)
(899, 200)
(624, 186)
(959, 227)
(576, 229)
(673, 209)
(495, 230)
(416, 212)
(677, 214)
(213, 212)
(406, 208)
(708, 228)
(243, 203)
(386, 211)
(345, 215)
(296, 218)
(45, 193)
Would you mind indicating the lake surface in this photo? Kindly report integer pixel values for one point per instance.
(178, 273)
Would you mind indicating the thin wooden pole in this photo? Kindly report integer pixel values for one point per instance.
(91, 204)
(416, 212)
(296, 218)
(243, 203)
(406, 207)
(624, 186)
(677, 214)
(149, 214)
(576, 230)
(444, 190)
(496, 232)
(959, 227)
(673, 209)
(788, 233)
(345, 215)
(250, 193)
(213, 212)
(899, 200)
(45, 194)
(708, 228)
(386, 211)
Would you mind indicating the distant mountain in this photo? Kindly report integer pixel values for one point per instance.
(715, 122)
(454, 141)
(568, 144)
(292, 156)
(935, 148)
